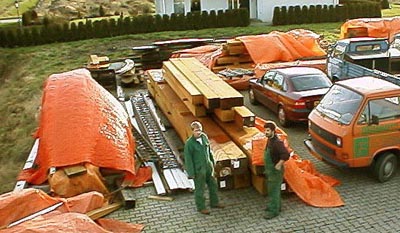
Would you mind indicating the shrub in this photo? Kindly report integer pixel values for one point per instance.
(304, 14)
(212, 22)
(101, 11)
(290, 15)
(385, 4)
(284, 15)
(276, 18)
(298, 19)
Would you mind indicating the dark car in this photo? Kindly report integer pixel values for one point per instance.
(290, 92)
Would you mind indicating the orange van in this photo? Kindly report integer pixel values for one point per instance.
(357, 124)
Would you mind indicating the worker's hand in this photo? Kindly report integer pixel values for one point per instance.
(278, 166)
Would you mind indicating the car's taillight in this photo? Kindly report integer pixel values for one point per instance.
(300, 104)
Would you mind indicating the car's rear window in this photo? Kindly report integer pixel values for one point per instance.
(310, 82)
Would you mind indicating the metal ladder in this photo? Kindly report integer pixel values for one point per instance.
(168, 163)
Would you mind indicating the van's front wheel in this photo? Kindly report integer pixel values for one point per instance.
(385, 167)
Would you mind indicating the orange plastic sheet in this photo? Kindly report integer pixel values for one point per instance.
(206, 54)
(309, 186)
(376, 27)
(69, 217)
(281, 46)
(312, 187)
(81, 122)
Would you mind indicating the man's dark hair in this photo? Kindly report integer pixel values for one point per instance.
(270, 125)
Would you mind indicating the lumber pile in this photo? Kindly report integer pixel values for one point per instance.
(188, 92)
(234, 55)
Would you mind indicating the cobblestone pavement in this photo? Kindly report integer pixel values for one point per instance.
(369, 206)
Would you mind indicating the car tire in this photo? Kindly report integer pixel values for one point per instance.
(283, 121)
(252, 97)
(385, 167)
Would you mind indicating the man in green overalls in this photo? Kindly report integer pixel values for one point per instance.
(274, 156)
(199, 163)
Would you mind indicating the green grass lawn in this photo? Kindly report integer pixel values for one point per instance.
(394, 11)
(7, 7)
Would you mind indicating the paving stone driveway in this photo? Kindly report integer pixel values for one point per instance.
(369, 206)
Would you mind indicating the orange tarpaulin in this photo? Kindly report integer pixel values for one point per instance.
(69, 217)
(280, 46)
(376, 27)
(206, 54)
(81, 122)
(311, 186)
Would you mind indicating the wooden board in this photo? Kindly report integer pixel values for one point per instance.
(77, 170)
(182, 87)
(224, 115)
(244, 117)
(103, 211)
(211, 99)
(233, 60)
(228, 96)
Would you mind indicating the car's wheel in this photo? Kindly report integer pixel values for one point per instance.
(385, 167)
(252, 98)
(282, 117)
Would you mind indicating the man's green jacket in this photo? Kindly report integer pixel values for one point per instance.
(198, 156)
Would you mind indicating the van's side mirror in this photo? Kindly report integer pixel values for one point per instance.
(374, 120)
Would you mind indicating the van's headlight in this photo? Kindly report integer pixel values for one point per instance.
(339, 142)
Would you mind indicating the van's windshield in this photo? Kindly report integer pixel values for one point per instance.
(340, 104)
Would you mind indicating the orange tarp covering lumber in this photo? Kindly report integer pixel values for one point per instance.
(69, 217)
(81, 122)
(280, 46)
(206, 54)
(376, 27)
(312, 187)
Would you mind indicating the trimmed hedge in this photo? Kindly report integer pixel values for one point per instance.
(324, 13)
(51, 33)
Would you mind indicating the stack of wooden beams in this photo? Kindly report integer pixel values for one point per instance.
(235, 55)
(191, 92)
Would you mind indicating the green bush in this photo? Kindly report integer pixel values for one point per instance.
(276, 18)
(304, 14)
(284, 15)
(205, 20)
(318, 14)
(385, 4)
(312, 14)
(298, 19)
(291, 19)
(212, 22)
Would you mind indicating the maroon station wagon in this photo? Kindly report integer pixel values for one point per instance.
(290, 92)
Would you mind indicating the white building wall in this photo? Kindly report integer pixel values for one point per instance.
(260, 9)
(208, 5)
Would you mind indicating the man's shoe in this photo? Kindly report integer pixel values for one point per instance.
(270, 216)
(219, 206)
(205, 211)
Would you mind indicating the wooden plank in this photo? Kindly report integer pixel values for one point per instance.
(227, 60)
(224, 115)
(179, 83)
(244, 117)
(229, 97)
(211, 99)
(103, 211)
(160, 198)
(76, 170)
